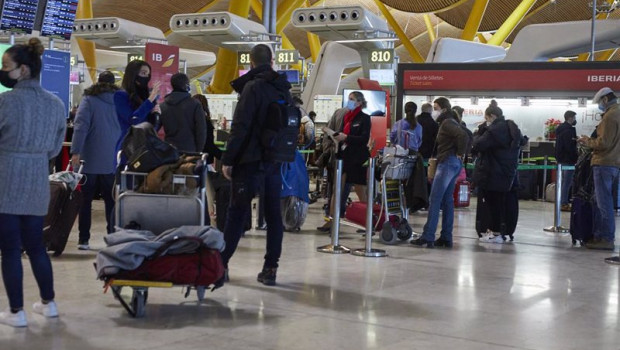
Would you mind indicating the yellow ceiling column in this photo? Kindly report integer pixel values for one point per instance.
(85, 11)
(226, 65)
(429, 27)
(606, 55)
(474, 20)
(481, 38)
(511, 22)
(285, 10)
(413, 52)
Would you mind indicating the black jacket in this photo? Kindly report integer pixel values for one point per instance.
(429, 134)
(566, 144)
(497, 147)
(210, 148)
(184, 121)
(356, 150)
(258, 88)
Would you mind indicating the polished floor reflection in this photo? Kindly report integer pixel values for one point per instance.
(537, 293)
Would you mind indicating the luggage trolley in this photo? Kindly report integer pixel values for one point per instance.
(395, 168)
(156, 213)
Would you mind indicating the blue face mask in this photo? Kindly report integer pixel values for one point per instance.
(601, 107)
(351, 105)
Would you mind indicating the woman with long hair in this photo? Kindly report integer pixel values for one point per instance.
(451, 143)
(210, 148)
(32, 128)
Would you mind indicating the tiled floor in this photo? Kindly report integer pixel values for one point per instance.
(537, 293)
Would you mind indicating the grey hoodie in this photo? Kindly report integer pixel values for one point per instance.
(96, 131)
(184, 122)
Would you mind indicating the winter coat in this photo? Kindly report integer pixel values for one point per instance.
(127, 115)
(606, 147)
(497, 147)
(96, 130)
(451, 139)
(566, 144)
(210, 148)
(259, 88)
(184, 122)
(32, 128)
(430, 128)
(354, 150)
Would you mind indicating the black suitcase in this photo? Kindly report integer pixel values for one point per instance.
(528, 188)
(511, 216)
(63, 209)
(581, 221)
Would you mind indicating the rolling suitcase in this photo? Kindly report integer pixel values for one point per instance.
(62, 211)
(581, 221)
(461, 194)
(356, 213)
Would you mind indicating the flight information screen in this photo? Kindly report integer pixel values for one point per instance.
(19, 15)
(58, 18)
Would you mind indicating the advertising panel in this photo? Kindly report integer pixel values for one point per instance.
(164, 61)
(55, 74)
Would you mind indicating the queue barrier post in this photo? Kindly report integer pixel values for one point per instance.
(368, 251)
(557, 213)
(335, 247)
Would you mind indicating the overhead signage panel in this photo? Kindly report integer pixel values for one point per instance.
(287, 56)
(381, 56)
(243, 58)
(511, 80)
(58, 18)
(19, 15)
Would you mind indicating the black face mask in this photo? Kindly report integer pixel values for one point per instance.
(7, 81)
(574, 122)
(143, 82)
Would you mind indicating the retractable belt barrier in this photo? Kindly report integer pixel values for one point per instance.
(368, 251)
(335, 247)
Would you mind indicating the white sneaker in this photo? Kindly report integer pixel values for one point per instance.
(491, 238)
(83, 246)
(47, 310)
(15, 320)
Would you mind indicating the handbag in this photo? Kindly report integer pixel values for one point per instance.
(145, 151)
(432, 168)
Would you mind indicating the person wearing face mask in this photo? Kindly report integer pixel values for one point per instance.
(605, 168)
(450, 144)
(135, 103)
(183, 118)
(497, 145)
(32, 129)
(352, 138)
(566, 153)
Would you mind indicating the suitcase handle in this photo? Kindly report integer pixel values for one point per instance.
(69, 166)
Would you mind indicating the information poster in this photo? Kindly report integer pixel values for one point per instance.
(58, 18)
(19, 15)
(222, 107)
(55, 74)
(164, 61)
(325, 106)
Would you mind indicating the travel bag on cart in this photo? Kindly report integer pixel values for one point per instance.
(581, 220)
(63, 209)
(356, 213)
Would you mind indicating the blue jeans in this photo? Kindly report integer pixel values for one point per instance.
(247, 179)
(567, 182)
(604, 218)
(441, 197)
(17, 231)
(105, 182)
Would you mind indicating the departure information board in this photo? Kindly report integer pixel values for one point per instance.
(58, 18)
(19, 15)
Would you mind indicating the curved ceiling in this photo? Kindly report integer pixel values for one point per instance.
(449, 17)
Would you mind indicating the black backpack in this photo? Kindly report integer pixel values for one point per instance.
(279, 132)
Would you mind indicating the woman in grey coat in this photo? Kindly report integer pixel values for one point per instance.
(32, 128)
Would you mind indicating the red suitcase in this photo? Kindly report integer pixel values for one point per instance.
(61, 214)
(461, 194)
(356, 213)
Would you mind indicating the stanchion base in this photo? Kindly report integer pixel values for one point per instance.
(558, 229)
(333, 249)
(373, 253)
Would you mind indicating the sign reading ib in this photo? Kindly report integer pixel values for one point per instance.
(164, 61)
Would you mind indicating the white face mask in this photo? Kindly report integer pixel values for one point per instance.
(435, 114)
(489, 123)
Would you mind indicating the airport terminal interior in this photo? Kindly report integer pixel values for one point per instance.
(538, 60)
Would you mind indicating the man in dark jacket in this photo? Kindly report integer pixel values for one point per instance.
(182, 117)
(429, 131)
(566, 153)
(96, 131)
(243, 160)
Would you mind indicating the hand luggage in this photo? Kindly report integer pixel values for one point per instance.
(356, 213)
(581, 220)
(461, 194)
(527, 185)
(63, 210)
(550, 193)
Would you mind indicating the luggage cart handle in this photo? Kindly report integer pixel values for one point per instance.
(79, 169)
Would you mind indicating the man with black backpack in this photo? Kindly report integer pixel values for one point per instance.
(264, 134)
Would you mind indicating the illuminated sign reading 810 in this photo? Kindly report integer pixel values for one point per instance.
(382, 56)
